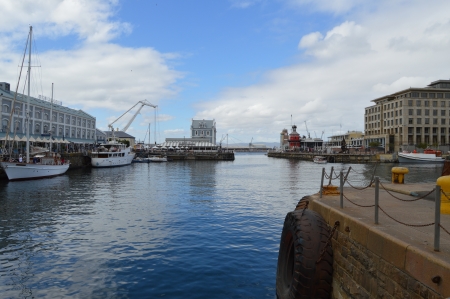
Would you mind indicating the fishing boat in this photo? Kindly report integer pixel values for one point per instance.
(42, 165)
(112, 153)
(158, 159)
(320, 160)
(428, 156)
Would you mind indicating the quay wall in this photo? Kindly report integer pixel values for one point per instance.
(335, 158)
(197, 156)
(369, 263)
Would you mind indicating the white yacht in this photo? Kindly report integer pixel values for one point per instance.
(112, 153)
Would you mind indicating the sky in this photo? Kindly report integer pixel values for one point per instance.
(254, 66)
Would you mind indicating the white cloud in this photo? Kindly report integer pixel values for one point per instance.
(333, 6)
(243, 3)
(373, 53)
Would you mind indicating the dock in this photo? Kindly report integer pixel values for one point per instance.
(395, 258)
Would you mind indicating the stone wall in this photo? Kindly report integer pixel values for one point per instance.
(369, 263)
(360, 273)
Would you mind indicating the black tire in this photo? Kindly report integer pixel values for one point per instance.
(302, 204)
(303, 239)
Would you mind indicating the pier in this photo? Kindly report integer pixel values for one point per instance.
(335, 158)
(393, 255)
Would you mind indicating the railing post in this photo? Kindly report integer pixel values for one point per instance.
(321, 181)
(348, 172)
(331, 175)
(377, 197)
(437, 217)
(341, 193)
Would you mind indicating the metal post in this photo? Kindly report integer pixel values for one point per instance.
(348, 172)
(331, 175)
(321, 181)
(377, 196)
(341, 193)
(437, 217)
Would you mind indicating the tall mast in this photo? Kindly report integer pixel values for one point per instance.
(28, 98)
(51, 118)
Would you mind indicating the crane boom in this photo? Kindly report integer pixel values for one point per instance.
(143, 103)
(307, 129)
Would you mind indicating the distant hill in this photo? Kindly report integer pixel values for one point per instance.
(267, 144)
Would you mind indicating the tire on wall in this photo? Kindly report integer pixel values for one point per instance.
(303, 239)
(302, 203)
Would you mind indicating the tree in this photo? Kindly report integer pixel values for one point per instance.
(422, 145)
(124, 141)
(374, 144)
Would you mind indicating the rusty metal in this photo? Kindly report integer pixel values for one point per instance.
(437, 279)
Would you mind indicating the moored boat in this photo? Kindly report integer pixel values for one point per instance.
(428, 156)
(320, 160)
(111, 154)
(157, 159)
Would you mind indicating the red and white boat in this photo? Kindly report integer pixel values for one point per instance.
(428, 156)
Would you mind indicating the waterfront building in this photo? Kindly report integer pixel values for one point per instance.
(354, 141)
(284, 139)
(410, 117)
(63, 123)
(294, 139)
(204, 129)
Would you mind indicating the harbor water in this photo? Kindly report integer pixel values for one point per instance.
(189, 229)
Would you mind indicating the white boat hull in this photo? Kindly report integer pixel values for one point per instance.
(419, 158)
(113, 161)
(25, 171)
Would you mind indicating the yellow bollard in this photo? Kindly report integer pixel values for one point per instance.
(444, 182)
(398, 175)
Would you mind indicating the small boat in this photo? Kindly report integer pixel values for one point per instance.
(111, 154)
(158, 159)
(320, 160)
(428, 156)
(140, 160)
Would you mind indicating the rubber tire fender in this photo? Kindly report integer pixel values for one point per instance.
(299, 274)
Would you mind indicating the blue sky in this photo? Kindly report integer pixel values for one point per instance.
(248, 64)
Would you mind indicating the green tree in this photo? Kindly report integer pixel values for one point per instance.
(374, 144)
(124, 141)
(422, 145)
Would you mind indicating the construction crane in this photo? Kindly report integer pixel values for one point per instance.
(307, 129)
(143, 103)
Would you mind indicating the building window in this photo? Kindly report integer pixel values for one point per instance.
(442, 103)
(419, 121)
(410, 111)
(414, 95)
(410, 103)
(434, 103)
(427, 111)
(447, 95)
(442, 112)
(400, 121)
(435, 112)
(440, 95)
(61, 119)
(427, 121)
(419, 111)
(410, 130)
(442, 121)
(418, 130)
(442, 130)
(431, 95)
(410, 121)
(426, 103)
(418, 103)
(423, 95)
(434, 121)
(427, 130)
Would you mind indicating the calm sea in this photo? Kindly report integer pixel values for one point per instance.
(170, 230)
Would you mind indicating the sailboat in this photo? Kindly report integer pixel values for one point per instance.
(44, 165)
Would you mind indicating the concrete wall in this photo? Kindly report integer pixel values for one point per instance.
(371, 264)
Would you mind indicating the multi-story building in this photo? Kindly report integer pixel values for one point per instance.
(410, 117)
(62, 122)
(204, 129)
(353, 140)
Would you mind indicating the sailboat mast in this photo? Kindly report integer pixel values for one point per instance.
(51, 118)
(28, 98)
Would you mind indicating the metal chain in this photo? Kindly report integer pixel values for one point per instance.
(444, 229)
(358, 188)
(445, 194)
(336, 224)
(384, 188)
(356, 203)
(413, 225)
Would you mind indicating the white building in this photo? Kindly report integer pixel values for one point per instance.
(205, 129)
(62, 122)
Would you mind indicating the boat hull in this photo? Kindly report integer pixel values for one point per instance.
(26, 171)
(112, 161)
(419, 158)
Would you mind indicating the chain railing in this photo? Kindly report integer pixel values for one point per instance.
(344, 179)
